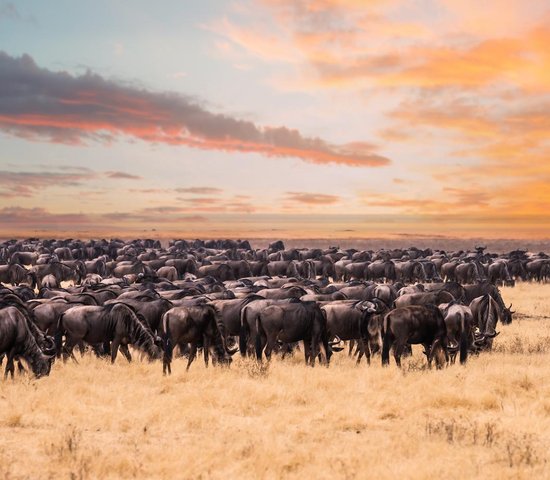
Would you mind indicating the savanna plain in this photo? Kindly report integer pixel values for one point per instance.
(488, 419)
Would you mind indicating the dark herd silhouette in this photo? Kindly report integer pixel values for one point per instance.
(222, 297)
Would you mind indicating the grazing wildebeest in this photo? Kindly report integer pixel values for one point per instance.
(349, 321)
(194, 325)
(116, 323)
(150, 310)
(498, 273)
(287, 323)
(47, 315)
(249, 314)
(416, 324)
(486, 313)
(473, 291)
(381, 270)
(467, 273)
(18, 341)
(458, 321)
(229, 315)
(13, 274)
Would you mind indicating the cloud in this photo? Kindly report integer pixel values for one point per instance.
(312, 198)
(39, 217)
(38, 103)
(123, 175)
(148, 191)
(9, 11)
(199, 190)
(26, 184)
(236, 203)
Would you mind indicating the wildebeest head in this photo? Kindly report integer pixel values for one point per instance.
(506, 315)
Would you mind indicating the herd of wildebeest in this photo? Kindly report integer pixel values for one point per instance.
(222, 297)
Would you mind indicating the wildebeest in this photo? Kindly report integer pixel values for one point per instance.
(349, 321)
(196, 326)
(229, 315)
(473, 291)
(486, 313)
(18, 341)
(416, 324)
(458, 322)
(289, 323)
(434, 298)
(116, 323)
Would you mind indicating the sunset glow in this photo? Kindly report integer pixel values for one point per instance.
(331, 118)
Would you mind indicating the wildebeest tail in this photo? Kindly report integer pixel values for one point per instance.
(258, 339)
(386, 343)
(167, 338)
(464, 340)
(243, 333)
(58, 336)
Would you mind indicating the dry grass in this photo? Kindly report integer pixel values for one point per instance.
(490, 419)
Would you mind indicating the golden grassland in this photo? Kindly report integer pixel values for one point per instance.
(489, 419)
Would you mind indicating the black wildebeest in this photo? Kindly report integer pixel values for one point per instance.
(416, 324)
(194, 325)
(289, 323)
(116, 323)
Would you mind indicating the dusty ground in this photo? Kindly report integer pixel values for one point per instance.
(490, 419)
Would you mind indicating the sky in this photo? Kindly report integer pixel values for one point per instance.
(289, 118)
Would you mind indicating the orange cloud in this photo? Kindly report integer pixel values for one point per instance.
(312, 198)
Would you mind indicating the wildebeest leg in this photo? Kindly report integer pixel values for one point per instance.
(307, 351)
(363, 350)
(351, 345)
(114, 349)
(260, 343)
(68, 350)
(192, 355)
(20, 367)
(407, 350)
(81, 348)
(270, 345)
(314, 342)
(206, 348)
(435, 345)
(398, 350)
(452, 357)
(10, 368)
(124, 350)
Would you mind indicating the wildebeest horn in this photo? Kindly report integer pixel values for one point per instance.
(336, 341)
(50, 347)
(491, 335)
